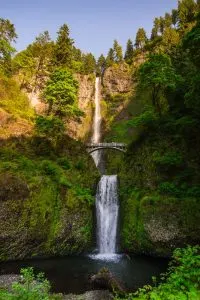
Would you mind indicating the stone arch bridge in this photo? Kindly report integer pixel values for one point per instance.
(92, 147)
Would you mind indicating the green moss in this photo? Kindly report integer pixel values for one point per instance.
(13, 100)
(47, 200)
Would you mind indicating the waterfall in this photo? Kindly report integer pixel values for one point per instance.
(97, 115)
(107, 209)
(97, 123)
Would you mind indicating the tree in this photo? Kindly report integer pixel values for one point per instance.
(186, 12)
(118, 53)
(168, 20)
(61, 93)
(141, 38)
(7, 30)
(174, 17)
(110, 59)
(7, 36)
(63, 52)
(129, 52)
(161, 25)
(158, 75)
(34, 63)
(89, 63)
(101, 64)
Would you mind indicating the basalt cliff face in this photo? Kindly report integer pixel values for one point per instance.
(117, 79)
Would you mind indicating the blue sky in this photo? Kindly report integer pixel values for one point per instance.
(93, 24)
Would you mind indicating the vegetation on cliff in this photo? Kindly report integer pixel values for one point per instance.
(159, 175)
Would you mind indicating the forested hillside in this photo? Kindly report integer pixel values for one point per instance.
(149, 100)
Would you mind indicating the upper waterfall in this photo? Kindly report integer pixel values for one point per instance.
(97, 115)
(97, 122)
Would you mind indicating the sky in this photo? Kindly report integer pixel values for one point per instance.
(93, 24)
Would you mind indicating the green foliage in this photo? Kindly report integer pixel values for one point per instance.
(32, 65)
(89, 63)
(7, 36)
(31, 287)
(148, 119)
(101, 65)
(13, 100)
(61, 93)
(180, 282)
(62, 56)
(168, 159)
(141, 38)
(129, 53)
(158, 75)
(118, 53)
(49, 126)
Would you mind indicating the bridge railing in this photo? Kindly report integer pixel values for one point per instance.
(95, 145)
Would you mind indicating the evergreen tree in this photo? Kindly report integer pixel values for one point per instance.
(110, 59)
(63, 52)
(174, 17)
(141, 38)
(129, 52)
(186, 12)
(168, 20)
(101, 64)
(155, 29)
(7, 36)
(34, 63)
(161, 25)
(89, 63)
(118, 53)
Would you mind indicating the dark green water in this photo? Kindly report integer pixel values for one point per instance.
(71, 274)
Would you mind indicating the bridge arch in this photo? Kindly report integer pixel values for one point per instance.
(101, 146)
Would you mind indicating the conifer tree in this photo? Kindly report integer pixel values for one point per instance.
(110, 59)
(186, 12)
(156, 28)
(101, 64)
(174, 17)
(89, 63)
(63, 53)
(118, 53)
(129, 52)
(141, 38)
(7, 36)
(168, 20)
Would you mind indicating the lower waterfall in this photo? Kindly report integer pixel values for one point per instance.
(107, 210)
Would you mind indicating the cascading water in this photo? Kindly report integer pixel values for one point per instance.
(97, 114)
(97, 123)
(107, 209)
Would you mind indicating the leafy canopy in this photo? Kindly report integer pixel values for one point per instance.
(61, 93)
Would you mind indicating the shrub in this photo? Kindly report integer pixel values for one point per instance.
(49, 126)
(32, 287)
(181, 282)
(168, 159)
(147, 119)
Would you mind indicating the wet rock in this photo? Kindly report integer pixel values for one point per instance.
(12, 188)
(91, 295)
(106, 280)
(6, 281)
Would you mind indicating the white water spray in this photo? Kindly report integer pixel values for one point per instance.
(107, 209)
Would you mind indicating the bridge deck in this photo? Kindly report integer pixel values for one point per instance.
(106, 145)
